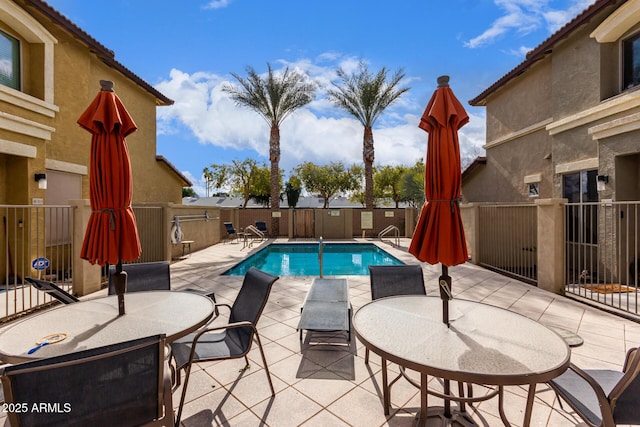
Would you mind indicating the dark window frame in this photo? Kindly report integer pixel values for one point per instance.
(13, 44)
(631, 57)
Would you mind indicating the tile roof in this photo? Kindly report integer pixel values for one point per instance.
(106, 55)
(545, 48)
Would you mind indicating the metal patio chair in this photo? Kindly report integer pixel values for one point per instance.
(144, 276)
(603, 397)
(231, 341)
(106, 386)
(393, 280)
(262, 226)
(231, 231)
(52, 289)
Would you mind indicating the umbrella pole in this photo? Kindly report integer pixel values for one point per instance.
(445, 293)
(120, 285)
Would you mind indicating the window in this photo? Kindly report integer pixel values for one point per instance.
(580, 189)
(9, 61)
(534, 189)
(631, 62)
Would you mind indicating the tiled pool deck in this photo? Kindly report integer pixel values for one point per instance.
(332, 386)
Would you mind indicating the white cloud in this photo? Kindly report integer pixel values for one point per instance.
(525, 16)
(319, 132)
(217, 4)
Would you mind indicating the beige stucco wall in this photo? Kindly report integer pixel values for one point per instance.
(76, 75)
(522, 103)
(38, 126)
(541, 121)
(502, 179)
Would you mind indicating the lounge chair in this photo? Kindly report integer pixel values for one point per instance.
(53, 290)
(145, 276)
(603, 397)
(124, 382)
(232, 341)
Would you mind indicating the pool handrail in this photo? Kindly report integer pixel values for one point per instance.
(320, 248)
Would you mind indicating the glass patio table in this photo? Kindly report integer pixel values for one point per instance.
(95, 323)
(483, 345)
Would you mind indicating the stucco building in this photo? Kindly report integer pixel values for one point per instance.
(570, 112)
(564, 126)
(49, 73)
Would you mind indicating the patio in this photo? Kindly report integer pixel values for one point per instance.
(332, 386)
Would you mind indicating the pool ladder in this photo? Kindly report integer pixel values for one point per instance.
(320, 249)
(388, 230)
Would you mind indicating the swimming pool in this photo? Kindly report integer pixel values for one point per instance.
(301, 259)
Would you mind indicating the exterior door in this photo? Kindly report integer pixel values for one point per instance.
(303, 223)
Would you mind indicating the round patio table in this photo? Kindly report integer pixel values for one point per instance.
(95, 323)
(483, 345)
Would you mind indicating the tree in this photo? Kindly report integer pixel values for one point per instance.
(216, 176)
(329, 180)
(293, 190)
(387, 182)
(274, 97)
(365, 96)
(241, 175)
(189, 192)
(260, 186)
(412, 184)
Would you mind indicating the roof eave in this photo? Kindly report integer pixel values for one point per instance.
(543, 49)
(106, 55)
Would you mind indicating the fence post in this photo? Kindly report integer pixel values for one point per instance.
(471, 221)
(550, 250)
(86, 277)
(409, 221)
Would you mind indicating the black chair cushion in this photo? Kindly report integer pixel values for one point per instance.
(146, 276)
(100, 392)
(575, 390)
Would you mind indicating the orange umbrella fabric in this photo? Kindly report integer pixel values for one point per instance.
(112, 234)
(439, 234)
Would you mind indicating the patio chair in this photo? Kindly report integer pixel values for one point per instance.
(232, 341)
(262, 226)
(145, 276)
(98, 387)
(603, 397)
(391, 280)
(231, 231)
(53, 290)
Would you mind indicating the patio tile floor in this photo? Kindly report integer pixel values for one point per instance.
(330, 385)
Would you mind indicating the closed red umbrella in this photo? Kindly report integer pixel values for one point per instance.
(112, 234)
(439, 234)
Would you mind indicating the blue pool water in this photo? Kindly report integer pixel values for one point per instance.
(301, 259)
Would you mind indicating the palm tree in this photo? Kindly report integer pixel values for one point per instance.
(365, 96)
(274, 96)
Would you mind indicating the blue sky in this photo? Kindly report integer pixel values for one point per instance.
(188, 49)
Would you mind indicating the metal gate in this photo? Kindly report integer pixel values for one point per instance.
(603, 253)
(36, 242)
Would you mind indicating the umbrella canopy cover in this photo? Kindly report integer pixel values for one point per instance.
(112, 234)
(439, 233)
